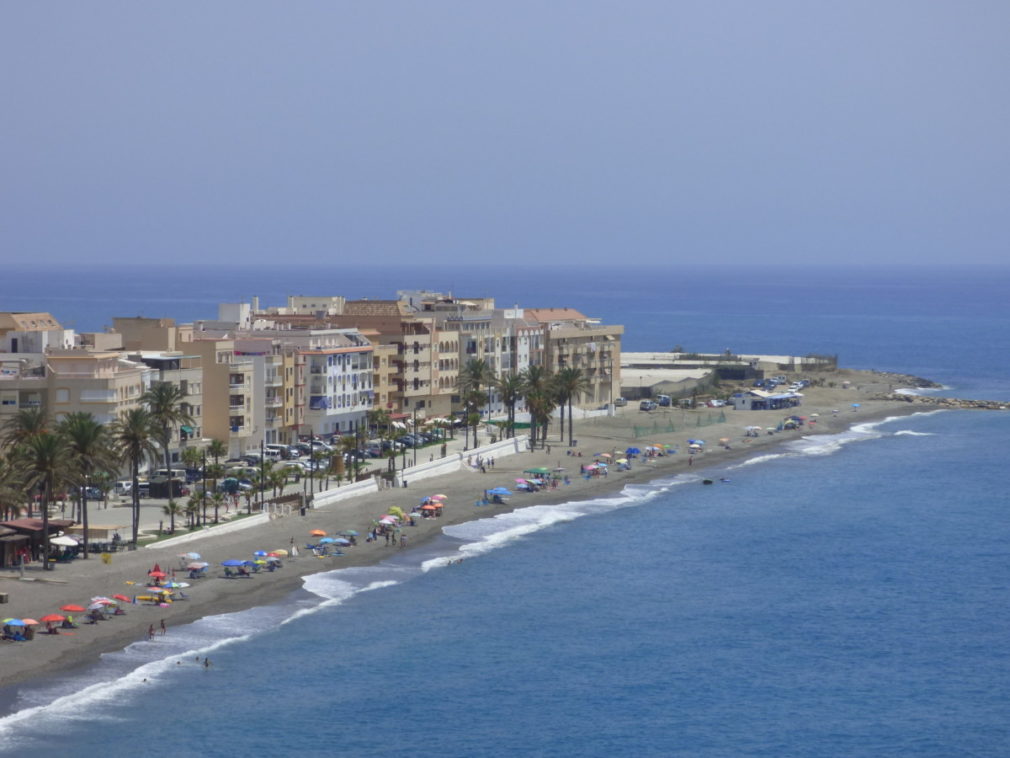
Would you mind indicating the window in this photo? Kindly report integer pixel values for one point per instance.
(62, 396)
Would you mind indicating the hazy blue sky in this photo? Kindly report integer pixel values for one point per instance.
(598, 132)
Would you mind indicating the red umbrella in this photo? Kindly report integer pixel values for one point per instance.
(72, 608)
(157, 573)
(53, 618)
(124, 598)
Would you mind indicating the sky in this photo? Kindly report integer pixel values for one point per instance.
(466, 132)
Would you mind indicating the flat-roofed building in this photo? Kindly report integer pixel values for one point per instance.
(574, 340)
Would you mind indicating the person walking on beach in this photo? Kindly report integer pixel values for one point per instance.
(150, 632)
(163, 627)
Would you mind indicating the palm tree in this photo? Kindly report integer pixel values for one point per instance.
(133, 433)
(22, 426)
(90, 451)
(540, 399)
(12, 489)
(215, 449)
(510, 388)
(568, 382)
(164, 404)
(172, 510)
(193, 509)
(45, 459)
(475, 374)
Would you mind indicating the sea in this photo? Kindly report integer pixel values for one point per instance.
(840, 595)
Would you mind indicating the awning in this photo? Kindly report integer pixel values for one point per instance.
(187, 429)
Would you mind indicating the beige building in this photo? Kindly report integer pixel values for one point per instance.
(572, 339)
(104, 384)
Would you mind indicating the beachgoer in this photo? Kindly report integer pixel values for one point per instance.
(206, 662)
(163, 627)
(150, 632)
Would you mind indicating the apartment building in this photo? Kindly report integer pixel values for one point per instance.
(103, 383)
(573, 339)
(184, 371)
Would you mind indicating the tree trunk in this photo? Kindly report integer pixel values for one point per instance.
(136, 501)
(84, 518)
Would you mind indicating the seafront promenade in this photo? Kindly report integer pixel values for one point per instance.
(826, 410)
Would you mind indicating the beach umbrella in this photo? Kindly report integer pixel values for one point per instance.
(632, 451)
(429, 507)
(500, 491)
(260, 562)
(537, 470)
(157, 574)
(279, 553)
(123, 598)
(327, 541)
(318, 533)
(622, 460)
(53, 618)
(349, 533)
(190, 556)
(604, 455)
(723, 440)
(341, 541)
(856, 405)
(230, 562)
(196, 566)
(13, 622)
(260, 553)
(71, 608)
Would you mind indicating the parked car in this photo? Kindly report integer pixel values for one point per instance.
(620, 402)
(663, 400)
(647, 405)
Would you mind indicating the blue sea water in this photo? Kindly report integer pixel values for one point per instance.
(842, 595)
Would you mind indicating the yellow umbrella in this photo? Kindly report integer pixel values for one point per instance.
(280, 553)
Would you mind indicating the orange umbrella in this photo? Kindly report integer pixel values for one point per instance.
(318, 533)
(29, 622)
(53, 618)
(429, 507)
(439, 497)
(124, 598)
(72, 608)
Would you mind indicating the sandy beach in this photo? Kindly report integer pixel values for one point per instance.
(830, 409)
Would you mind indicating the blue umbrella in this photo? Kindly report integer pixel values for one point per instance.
(326, 540)
(349, 533)
(261, 553)
(696, 442)
(341, 541)
(232, 562)
(15, 622)
(500, 491)
(632, 451)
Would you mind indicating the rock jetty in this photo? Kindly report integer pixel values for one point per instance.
(948, 402)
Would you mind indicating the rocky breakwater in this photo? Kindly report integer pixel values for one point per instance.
(947, 402)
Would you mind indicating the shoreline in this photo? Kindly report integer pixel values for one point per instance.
(50, 657)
